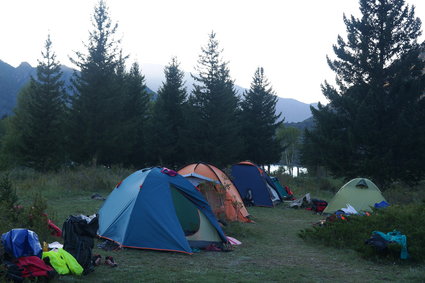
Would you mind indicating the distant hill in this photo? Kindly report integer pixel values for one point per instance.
(306, 124)
(13, 79)
(293, 110)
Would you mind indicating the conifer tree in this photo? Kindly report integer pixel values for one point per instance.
(40, 116)
(259, 122)
(168, 121)
(373, 125)
(215, 105)
(96, 102)
(133, 119)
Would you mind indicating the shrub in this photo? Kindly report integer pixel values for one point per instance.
(13, 215)
(9, 208)
(352, 233)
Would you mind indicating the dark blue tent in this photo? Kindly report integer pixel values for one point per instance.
(158, 209)
(254, 184)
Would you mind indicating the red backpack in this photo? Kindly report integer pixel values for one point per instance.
(33, 266)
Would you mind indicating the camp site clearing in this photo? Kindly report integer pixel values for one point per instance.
(271, 251)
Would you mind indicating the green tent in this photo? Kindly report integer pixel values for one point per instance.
(360, 193)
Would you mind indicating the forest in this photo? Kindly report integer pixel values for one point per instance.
(371, 127)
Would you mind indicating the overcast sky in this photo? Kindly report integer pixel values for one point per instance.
(290, 39)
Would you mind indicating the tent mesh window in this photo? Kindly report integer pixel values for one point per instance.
(215, 195)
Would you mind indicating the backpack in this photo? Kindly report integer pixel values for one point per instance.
(78, 233)
(11, 272)
(33, 266)
(21, 242)
(318, 205)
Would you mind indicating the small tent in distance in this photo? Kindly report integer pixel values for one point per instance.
(360, 193)
(158, 209)
(218, 189)
(254, 185)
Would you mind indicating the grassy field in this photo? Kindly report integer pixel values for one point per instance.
(271, 251)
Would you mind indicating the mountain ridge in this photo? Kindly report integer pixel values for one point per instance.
(13, 79)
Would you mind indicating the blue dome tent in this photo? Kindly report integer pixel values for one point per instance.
(156, 208)
(254, 184)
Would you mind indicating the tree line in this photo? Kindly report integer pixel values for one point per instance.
(108, 117)
(373, 125)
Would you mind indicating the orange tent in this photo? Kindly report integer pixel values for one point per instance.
(219, 191)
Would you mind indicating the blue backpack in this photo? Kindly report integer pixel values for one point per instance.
(21, 242)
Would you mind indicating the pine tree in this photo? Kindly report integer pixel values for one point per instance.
(215, 105)
(259, 122)
(373, 125)
(134, 118)
(40, 116)
(168, 122)
(96, 101)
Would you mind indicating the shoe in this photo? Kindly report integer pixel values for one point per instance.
(212, 248)
(110, 261)
(96, 259)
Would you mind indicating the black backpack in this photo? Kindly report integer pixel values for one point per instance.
(78, 233)
(11, 272)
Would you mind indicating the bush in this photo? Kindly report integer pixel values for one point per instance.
(352, 233)
(13, 215)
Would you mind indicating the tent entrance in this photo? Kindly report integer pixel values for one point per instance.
(197, 228)
(186, 212)
(215, 195)
(273, 194)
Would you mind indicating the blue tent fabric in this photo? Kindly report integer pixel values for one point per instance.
(140, 212)
(248, 177)
(21, 242)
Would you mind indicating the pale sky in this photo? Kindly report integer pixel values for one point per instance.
(289, 38)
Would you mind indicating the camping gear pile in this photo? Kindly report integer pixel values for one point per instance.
(315, 205)
(22, 256)
(380, 241)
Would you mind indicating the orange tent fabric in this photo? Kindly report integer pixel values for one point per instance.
(232, 206)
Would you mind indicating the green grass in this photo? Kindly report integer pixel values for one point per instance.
(271, 251)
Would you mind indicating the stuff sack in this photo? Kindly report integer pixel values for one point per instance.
(21, 242)
(78, 233)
